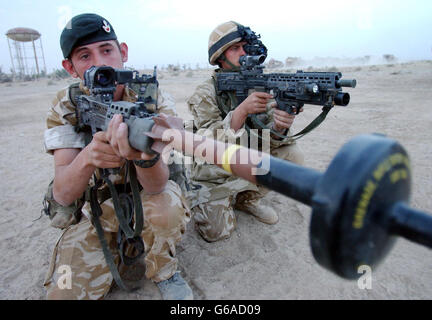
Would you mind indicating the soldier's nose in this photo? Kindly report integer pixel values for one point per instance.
(98, 61)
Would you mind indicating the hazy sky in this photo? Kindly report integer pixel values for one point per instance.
(171, 31)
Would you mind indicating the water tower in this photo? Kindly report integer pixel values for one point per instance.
(25, 51)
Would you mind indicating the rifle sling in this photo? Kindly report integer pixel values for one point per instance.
(222, 100)
(96, 212)
(315, 123)
(124, 207)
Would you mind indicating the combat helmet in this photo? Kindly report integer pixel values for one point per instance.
(228, 33)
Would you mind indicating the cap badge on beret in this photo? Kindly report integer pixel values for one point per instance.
(106, 27)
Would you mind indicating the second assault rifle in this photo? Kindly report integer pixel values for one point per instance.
(290, 90)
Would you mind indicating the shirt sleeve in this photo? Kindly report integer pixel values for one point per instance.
(166, 103)
(207, 116)
(61, 121)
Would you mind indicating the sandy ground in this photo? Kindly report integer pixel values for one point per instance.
(259, 261)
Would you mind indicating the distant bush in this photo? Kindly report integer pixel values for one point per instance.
(292, 61)
(173, 68)
(28, 77)
(366, 59)
(4, 77)
(59, 74)
(389, 58)
(273, 64)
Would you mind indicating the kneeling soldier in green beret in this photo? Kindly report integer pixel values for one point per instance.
(89, 40)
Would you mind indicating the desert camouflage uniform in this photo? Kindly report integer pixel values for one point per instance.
(212, 206)
(165, 217)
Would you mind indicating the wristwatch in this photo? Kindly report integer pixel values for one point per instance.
(147, 163)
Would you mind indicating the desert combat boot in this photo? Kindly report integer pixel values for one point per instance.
(260, 211)
(175, 288)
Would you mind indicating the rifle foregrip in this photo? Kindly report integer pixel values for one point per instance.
(137, 137)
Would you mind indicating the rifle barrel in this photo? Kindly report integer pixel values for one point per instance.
(347, 83)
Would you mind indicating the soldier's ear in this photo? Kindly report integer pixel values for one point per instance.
(124, 51)
(68, 66)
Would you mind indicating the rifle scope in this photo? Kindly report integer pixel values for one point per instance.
(251, 61)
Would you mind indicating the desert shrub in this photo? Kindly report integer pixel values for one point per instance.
(59, 74)
(389, 57)
(291, 61)
(366, 59)
(273, 64)
(173, 68)
(4, 77)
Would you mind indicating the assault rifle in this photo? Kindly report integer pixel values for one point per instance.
(95, 111)
(290, 90)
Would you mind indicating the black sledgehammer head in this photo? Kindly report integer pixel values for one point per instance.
(359, 205)
(353, 204)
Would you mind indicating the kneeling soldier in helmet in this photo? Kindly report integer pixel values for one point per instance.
(218, 193)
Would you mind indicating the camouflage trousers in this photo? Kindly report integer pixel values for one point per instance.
(215, 219)
(78, 252)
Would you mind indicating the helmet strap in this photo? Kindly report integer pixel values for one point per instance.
(232, 66)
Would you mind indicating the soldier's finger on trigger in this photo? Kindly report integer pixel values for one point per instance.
(105, 148)
(100, 136)
(109, 130)
(264, 95)
(123, 143)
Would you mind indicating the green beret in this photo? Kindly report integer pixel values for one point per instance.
(84, 29)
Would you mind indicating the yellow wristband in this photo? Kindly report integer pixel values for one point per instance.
(227, 155)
